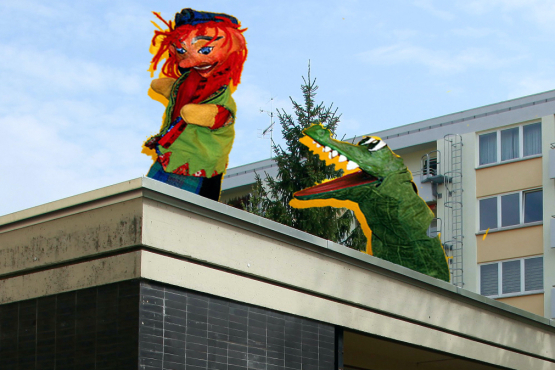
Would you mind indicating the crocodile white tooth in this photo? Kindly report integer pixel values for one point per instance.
(342, 158)
(351, 165)
(327, 149)
(329, 156)
(334, 153)
(313, 142)
(318, 145)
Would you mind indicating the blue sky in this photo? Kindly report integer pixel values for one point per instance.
(74, 109)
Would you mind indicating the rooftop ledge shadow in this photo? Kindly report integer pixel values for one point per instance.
(154, 205)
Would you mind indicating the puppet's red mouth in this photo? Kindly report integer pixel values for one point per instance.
(205, 67)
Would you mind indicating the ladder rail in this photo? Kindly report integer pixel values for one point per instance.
(453, 206)
(446, 168)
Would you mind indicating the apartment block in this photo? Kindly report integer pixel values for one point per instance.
(488, 174)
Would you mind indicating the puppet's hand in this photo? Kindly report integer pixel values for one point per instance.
(163, 86)
(152, 142)
(200, 114)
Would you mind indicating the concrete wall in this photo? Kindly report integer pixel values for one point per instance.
(532, 303)
(470, 252)
(504, 178)
(548, 184)
(515, 243)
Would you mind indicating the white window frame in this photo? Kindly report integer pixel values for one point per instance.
(499, 213)
(498, 140)
(500, 279)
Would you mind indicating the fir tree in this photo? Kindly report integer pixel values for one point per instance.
(299, 169)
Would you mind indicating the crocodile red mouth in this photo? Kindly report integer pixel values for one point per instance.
(354, 176)
(348, 181)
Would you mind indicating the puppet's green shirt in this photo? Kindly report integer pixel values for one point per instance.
(200, 151)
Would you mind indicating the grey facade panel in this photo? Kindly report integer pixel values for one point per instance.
(183, 329)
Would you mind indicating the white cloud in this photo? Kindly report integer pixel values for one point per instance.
(255, 104)
(432, 9)
(404, 34)
(34, 8)
(58, 143)
(251, 99)
(437, 60)
(56, 71)
(59, 153)
(541, 12)
(530, 84)
(477, 32)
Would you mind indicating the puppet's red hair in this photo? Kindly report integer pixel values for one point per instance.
(231, 69)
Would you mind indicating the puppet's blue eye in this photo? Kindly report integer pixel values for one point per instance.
(180, 50)
(205, 50)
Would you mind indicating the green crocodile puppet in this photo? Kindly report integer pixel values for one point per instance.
(378, 187)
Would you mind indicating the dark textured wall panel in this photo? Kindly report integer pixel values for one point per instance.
(181, 329)
(146, 325)
(95, 328)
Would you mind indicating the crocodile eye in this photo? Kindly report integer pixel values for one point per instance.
(380, 144)
(372, 143)
(205, 50)
(366, 140)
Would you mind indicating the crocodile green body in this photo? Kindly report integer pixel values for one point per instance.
(398, 217)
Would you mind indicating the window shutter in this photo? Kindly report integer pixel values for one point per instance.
(488, 279)
(533, 273)
(511, 277)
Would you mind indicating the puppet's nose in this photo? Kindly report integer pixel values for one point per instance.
(190, 61)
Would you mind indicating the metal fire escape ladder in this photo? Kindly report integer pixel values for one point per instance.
(453, 203)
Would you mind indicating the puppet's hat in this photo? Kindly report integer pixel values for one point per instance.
(194, 17)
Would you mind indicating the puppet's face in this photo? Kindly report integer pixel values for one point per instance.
(200, 52)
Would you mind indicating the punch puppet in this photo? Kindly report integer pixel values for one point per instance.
(204, 55)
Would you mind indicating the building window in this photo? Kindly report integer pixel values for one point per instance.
(513, 277)
(504, 145)
(532, 139)
(488, 148)
(533, 206)
(511, 209)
